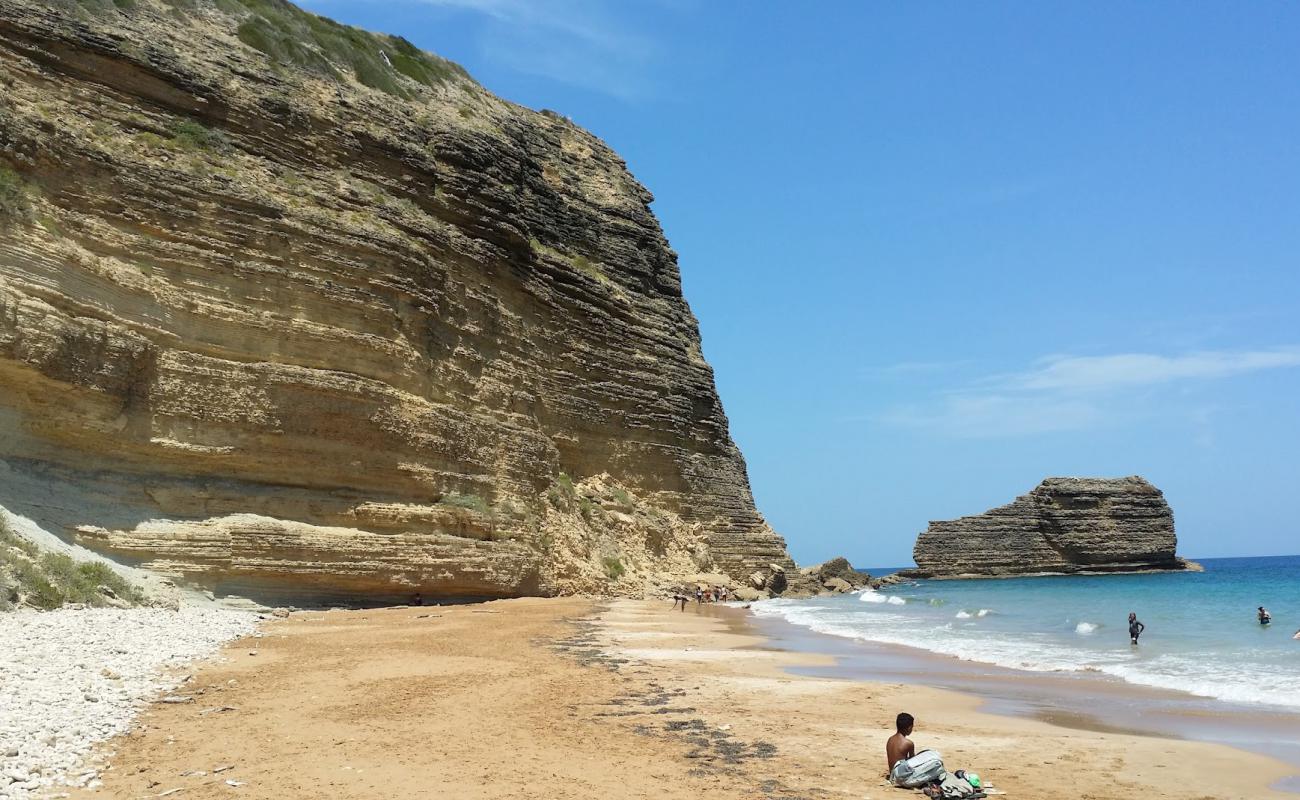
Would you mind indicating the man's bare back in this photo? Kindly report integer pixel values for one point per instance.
(897, 748)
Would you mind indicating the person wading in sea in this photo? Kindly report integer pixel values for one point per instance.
(1135, 628)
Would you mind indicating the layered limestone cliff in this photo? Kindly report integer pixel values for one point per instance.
(288, 309)
(1064, 525)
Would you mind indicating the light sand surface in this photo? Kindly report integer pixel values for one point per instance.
(578, 699)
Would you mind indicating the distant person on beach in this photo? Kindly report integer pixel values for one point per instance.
(899, 747)
(699, 595)
(1264, 616)
(417, 600)
(1135, 627)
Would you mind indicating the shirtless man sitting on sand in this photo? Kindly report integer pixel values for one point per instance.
(898, 746)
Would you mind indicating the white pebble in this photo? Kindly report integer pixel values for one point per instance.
(72, 678)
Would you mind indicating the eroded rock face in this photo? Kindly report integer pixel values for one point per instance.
(1063, 525)
(294, 330)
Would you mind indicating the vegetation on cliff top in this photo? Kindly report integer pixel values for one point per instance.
(290, 35)
(294, 36)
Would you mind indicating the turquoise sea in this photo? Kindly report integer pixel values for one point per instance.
(1201, 635)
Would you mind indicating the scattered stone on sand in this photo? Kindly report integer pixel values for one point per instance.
(72, 678)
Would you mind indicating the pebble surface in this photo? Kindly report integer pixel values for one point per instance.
(72, 678)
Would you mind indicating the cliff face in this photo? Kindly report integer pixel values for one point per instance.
(287, 308)
(1063, 525)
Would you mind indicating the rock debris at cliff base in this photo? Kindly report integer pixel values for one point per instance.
(72, 678)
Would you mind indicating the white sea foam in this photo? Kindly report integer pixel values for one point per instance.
(872, 596)
(895, 600)
(1037, 650)
(1236, 683)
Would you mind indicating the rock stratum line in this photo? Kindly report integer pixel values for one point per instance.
(292, 310)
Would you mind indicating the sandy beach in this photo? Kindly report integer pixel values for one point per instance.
(575, 698)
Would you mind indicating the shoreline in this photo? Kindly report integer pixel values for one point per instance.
(574, 698)
(1082, 700)
(819, 659)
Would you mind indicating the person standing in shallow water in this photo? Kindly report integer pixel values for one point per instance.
(1135, 627)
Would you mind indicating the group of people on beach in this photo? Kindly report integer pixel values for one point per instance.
(1135, 627)
(703, 594)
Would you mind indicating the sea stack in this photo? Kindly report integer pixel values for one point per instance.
(1065, 525)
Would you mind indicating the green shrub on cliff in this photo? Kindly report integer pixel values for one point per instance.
(15, 200)
(190, 135)
(562, 492)
(471, 501)
(49, 580)
(613, 568)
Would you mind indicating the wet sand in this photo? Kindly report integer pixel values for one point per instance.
(1081, 700)
(580, 699)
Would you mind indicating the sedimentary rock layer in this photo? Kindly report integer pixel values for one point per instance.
(291, 308)
(1063, 525)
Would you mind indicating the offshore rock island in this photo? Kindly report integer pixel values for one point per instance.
(291, 310)
(1065, 525)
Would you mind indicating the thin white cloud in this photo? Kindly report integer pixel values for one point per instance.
(1073, 393)
(578, 42)
(1088, 373)
(921, 367)
(997, 415)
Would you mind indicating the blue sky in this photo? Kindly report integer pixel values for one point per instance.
(940, 251)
